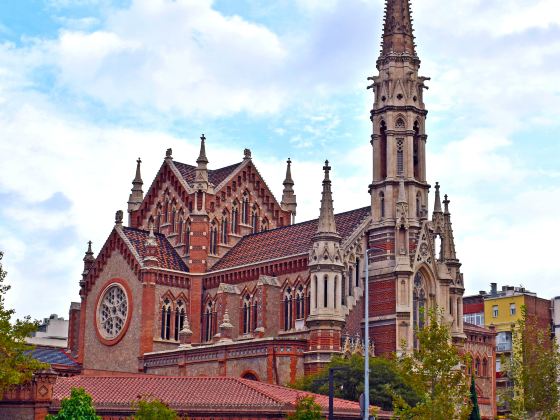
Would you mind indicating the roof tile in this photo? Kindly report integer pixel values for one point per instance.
(286, 241)
(215, 176)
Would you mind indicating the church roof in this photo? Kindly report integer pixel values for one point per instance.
(215, 176)
(221, 394)
(167, 256)
(52, 356)
(286, 241)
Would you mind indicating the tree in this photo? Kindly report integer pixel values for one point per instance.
(16, 365)
(78, 406)
(435, 370)
(306, 409)
(153, 409)
(475, 412)
(534, 370)
(385, 381)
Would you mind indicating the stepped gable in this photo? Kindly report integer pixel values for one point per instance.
(167, 256)
(215, 176)
(286, 241)
(184, 393)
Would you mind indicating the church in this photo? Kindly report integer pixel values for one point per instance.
(209, 275)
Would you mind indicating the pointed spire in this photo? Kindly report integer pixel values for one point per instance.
(326, 217)
(437, 203)
(398, 34)
(202, 155)
(289, 202)
(449, 242)
(446, 205)
(136, 193)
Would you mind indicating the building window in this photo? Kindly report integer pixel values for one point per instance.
(208, 323)
(245, 209)
(343, 290)
(300, 303)
(477, 367)
(316, 284)
(418, 304)
(357, 272)
(400, 156)
(254, 221)
(173, 218)
(234, 220)
(288, 309)
(179, 318)
(485, 367)
(495, 311)
(382, 204)
(247, 315)
(224, 236)
(255, 318)
(180, 229)
(325, 291)
(213, 239)
(187, 239)
(476, 319)
(158, 221)
(166, 320)
(512, 310)
(166, 211)
(418, 205)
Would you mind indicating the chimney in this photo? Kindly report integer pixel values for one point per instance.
(493, 289)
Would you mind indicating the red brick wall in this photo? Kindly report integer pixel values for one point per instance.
(382, 297)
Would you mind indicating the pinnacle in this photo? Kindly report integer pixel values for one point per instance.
(398, 34)
(437, 204)
(202, 155)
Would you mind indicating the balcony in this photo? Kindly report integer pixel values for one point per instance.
(502, 347)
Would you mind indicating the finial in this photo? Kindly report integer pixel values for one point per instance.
(327, 223)
(327, 169)
(247, 154)
(89, 251)
(202, 159)
(446, 202)
(437, 205)
(169, 153)
(118, 218)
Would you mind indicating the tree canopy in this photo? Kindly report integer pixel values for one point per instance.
(385, 380)
(16, 365)
(435, 370)
(534, 370)
(78, 406)
(153, 409)
(306, 409)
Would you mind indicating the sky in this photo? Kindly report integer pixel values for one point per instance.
(88, 86)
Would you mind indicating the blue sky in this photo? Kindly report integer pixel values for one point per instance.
(87, 86)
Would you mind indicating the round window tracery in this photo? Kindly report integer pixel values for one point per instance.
(112, 312)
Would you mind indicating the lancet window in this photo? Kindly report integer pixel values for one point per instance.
(288, 316)
(418, 303)
(300, 303)
(245, 209)
(247, 314)
(208, 322)
(213, 238)
(166, 319)
(235, 220)
(180, 313)
(224, 232)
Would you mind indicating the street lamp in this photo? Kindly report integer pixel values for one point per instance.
(366, 335)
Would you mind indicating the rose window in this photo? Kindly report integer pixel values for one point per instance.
(113, 310)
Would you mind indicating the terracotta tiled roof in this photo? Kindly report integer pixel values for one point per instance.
(167, 256)
(286, 241)
(215, 176)
(468, 327)
(218, 393)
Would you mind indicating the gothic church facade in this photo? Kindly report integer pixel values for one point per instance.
(211, 276)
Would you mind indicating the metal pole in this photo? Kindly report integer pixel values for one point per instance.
(331, 394)
(366, 338)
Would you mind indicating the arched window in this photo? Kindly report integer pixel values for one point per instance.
(166, 319)
(288, 309)
(173, 218)
(208, 324)
(416, 150)
(357, 272)
(187, 239)
(316, 304)
(418, 303)
(383, 149)
(335, 291)
(400, 156)
(485, 367)
(350, 279)
(224, 236)
(158, 220)
(235, 220)
(247, 315)
(400, 124)
(213, 238)
(300, 303)
(180, 313)
(325, 291)
(343, 290)
(166, 211)
(477, 367)
(255, 317)
(245, 209)
(382, 205)
(254, 220)
(180, 229)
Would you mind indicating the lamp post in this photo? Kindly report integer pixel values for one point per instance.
(366, 335)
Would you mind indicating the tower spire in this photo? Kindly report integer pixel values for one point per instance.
(326, 217)
(289, 202)
(398, 34)
(437, 202)
(201, 176)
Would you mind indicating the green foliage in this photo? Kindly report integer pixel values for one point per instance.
(16, 366)
(384, 379)
(475, 412)
(78, 406)
(436, 372)
(534, 369)
(152, 409)
(306, 409)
